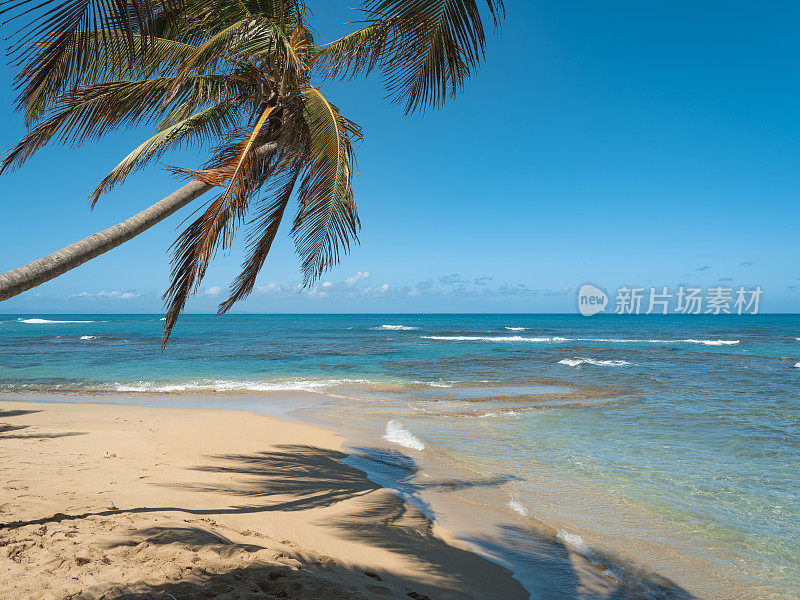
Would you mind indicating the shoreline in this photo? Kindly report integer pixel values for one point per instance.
(103, 501)
(531, 558)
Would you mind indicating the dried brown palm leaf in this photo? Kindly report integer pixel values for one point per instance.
(236, 167)
(265, 228)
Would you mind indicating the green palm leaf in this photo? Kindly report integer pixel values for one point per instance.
(425, 49)
(66, 26)
(200, 127)
(92, 57)
(327, 220)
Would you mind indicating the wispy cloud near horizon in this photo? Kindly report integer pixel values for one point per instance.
(129, 295)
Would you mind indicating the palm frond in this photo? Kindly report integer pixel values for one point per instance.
(281, 184)
(91, 57)
(327, 220)
(253, 38)
(65, 23)
(359, 52)
(88, 113)
(198, 128)
(425, 49)
(217, 47)
(91, 111)
(241, 170)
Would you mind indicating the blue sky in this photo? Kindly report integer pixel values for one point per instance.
(619, 143)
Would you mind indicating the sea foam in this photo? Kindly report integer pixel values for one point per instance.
(395, 328)
(488, 338)
(713, 342)
(516, 328)
(557, 339)
(48, 321)
(574, 362)
(88, 337)
(517, 506)
(222, 385)
(397, 434)
(574, 542)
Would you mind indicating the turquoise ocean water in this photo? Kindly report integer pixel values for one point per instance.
(670, 443)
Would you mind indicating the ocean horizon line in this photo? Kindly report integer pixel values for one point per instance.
(562, 314)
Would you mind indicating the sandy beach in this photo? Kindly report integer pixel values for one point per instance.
(112, 502)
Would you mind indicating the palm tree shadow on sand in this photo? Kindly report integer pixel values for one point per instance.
(301, 477)
(298, 477)
(10, 431)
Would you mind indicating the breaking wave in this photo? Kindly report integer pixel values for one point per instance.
(713, 342)
(397, 434)
(49, 322)
(395, 328)
(556, 339)
(222, 385)
(489, 338)
(574, 362)
(518, 507)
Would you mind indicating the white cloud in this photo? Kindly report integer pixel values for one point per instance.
(351, 281)
(451, 286)
(270, 288)
(107, 294)
(211, 292)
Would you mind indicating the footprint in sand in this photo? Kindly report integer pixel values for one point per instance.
(380, 589)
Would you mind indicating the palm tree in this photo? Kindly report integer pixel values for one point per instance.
(243, 78)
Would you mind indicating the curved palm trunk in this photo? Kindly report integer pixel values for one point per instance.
(35, 273)
(59, 262)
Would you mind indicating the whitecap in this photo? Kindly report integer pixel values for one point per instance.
(487, 338)
(222, 385)
(48, 321)
(713, 342)
(797, 365)
(574, 362)
(88, 337)
(558, 339)
(395, 328)
(517, 506)
(397, 434)
(516, 328)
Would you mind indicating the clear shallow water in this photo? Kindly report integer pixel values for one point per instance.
(668, 441)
